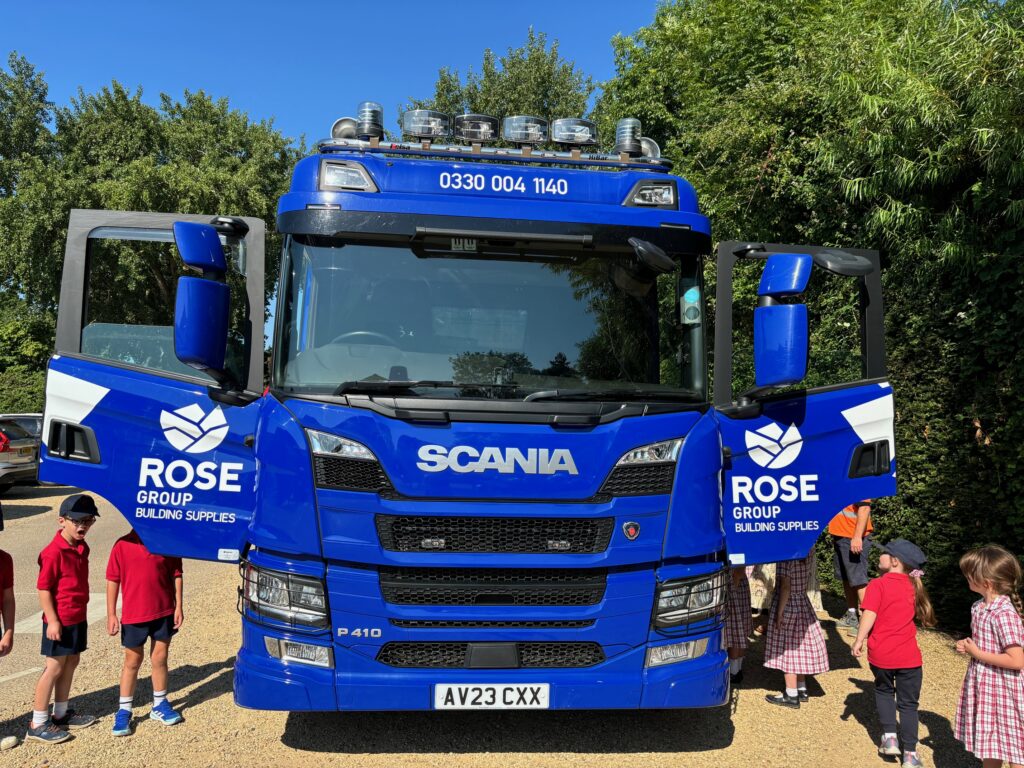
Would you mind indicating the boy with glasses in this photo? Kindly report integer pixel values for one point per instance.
(63, 586)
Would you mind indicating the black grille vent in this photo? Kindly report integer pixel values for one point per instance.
(492, 586)
(454, 624)
(350, 474)
(640, 480)
(457, 655)
(545, 535)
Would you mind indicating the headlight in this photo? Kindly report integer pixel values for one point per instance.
(325, 444)
(653, 194)
(287, 597)
(686, 601)
(345, 175)
(654, 453)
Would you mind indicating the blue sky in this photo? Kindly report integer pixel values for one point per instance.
(303, 64)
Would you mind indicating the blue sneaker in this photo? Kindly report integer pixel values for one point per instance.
(122, 723)
(164, 713)
(47, 733)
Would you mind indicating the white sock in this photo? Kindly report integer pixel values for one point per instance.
(60, 708)
(735, 665)
(159, 697)
(39, 717)
(125, 702)
(792, 693)
(851, 611)
(801, 687)
(888, 735)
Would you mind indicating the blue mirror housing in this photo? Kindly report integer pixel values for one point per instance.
(785, 274)
(200, 248)
(201, 311)
(780, 345)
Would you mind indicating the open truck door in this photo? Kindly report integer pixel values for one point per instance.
(152, 393)
(795, 457)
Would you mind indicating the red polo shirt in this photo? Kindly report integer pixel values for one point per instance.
(6, 571)
(147, 580)
(892, 643)
(64, 573)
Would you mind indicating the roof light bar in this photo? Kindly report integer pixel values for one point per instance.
(573, 131)
(627, 136)
(476, 128)
(370, 120)
(425, 124)
(525, 129)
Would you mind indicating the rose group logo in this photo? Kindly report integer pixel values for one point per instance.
(770, 447)
(190, 430)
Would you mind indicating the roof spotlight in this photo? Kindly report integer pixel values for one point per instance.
(573, 131)
(525, 129)
(425, 123)
(476, 128)
(627, 136)
(370, 120)
(344, 128)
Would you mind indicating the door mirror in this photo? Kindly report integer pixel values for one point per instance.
(200, 248)
(780, 330)
(201, 312)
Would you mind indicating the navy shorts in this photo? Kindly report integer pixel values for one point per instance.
(850, 567)
(134, 635)
(73, 640)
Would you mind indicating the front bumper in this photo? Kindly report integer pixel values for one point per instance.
(18, 473)
(358, 683)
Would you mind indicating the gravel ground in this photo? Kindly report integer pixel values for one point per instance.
(837, 728)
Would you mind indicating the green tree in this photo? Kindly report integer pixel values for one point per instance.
(893, 125)
(533, 79)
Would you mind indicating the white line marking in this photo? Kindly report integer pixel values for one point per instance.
(97, 610)
(23, 673)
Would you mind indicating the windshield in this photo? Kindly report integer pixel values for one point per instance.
(373, 318)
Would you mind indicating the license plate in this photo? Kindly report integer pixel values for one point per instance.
(25, 451)
(519, 696)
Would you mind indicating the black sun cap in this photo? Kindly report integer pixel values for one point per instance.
(907, 552)
(77, 506)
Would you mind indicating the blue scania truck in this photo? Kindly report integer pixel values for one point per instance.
(478, 462)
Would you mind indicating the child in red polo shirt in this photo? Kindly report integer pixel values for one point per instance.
(891, 604)
(6, 596)
(151, 609)
(63, 586)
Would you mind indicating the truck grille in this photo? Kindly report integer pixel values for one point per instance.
(350, 474)
(492, 586)
(545, 535)
(456, 624)
(640, 480)
(457, 655)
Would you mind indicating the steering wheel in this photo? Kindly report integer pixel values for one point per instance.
(364, 335)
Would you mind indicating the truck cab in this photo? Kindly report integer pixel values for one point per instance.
(478, 463)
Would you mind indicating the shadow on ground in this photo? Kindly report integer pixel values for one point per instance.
(546, 732)
(17, 501)
(215, 680)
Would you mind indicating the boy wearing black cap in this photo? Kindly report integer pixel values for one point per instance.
(63, 586)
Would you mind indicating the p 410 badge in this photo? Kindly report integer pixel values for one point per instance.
(359, 632)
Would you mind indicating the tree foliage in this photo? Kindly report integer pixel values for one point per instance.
(533, 79)
(893, 125)
(111, 150)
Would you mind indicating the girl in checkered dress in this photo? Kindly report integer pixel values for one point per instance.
(795, 643)
(738, 622)
(990, 714)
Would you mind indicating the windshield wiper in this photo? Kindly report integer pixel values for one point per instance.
(376, 387)
(407, 387)
(684, 395)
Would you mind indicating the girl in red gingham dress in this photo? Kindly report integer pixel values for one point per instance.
(738, 622)
(795, 643)
(990, 714)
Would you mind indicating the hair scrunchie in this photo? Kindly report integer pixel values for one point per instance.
(917, 573)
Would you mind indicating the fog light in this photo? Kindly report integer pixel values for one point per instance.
(670, 654)
(289, 651)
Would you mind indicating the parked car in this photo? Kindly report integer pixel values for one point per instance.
(30, 422)
(19, 454)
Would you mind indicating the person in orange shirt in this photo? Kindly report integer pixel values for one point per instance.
(851, 543)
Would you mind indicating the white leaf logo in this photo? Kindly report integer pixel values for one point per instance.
(190, 430)
(770, 448)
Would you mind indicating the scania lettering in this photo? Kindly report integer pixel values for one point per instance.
(484, 466)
